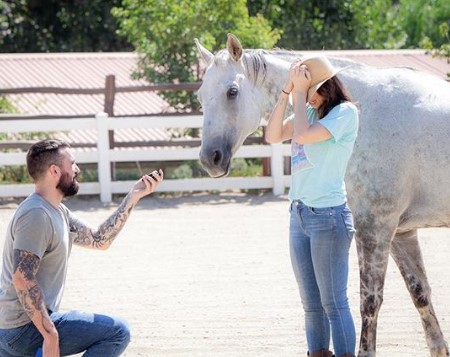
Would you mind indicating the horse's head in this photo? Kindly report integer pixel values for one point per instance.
(231, 101)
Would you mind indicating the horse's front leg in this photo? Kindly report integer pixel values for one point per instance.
(373, 245)
(406, 252)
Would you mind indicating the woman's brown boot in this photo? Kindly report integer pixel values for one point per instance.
(321, 353)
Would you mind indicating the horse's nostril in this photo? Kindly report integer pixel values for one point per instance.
(216, 157)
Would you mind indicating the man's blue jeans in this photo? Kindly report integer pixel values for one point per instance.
(320, 240)
(96, 335)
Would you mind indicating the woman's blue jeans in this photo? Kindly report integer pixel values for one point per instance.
(320, 240)
(96, 335)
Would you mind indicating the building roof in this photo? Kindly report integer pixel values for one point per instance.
(89, 70)
(75, 70)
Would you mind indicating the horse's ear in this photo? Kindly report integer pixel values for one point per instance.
(206, 55)
(234, 47)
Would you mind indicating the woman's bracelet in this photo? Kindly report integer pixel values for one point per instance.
(285, 92)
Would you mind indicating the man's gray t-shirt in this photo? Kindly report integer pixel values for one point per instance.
(39, 228)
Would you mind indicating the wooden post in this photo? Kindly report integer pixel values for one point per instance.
(110, 92)
(108, 108)
(265, 160)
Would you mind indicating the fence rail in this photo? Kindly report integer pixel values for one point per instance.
(188, 86)
(103, 156)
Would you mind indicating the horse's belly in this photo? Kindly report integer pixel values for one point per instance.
(424, 217)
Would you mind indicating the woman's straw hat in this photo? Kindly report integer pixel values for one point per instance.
(321, 70)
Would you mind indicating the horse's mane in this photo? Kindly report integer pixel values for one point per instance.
(256, 65)
(255, 60)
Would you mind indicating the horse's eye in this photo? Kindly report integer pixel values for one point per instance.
(232, 93)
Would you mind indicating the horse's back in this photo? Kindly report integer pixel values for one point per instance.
(403, 146)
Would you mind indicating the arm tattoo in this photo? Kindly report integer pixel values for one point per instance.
(27, 263)
(32, 302)
(31, 299)
(30, 295)
(107, 231)
(83, 234)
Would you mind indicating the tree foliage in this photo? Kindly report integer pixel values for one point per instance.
(333, 24)
(164, 32)
(424, 20)
(59, 26)
(87, 25)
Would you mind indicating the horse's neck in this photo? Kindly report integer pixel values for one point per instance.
(277, 67)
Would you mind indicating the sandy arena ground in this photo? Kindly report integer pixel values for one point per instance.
(209, 275)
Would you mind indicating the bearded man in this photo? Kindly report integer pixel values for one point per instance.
(35, 258)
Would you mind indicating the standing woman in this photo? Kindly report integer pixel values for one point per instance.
(323, 130)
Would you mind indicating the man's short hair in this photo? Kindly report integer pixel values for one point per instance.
(42, 155)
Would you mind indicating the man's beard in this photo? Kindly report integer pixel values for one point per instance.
(66, 186)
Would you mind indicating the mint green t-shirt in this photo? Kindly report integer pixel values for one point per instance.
(318, 169)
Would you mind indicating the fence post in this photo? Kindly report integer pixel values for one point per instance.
(108, 108)
(104, 164)
(276, 169)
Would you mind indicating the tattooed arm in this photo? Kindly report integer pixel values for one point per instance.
(26, 265)
(108, 230)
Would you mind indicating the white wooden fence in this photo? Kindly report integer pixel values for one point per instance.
(103, 156)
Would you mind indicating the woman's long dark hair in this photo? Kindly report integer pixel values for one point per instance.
(333, 92)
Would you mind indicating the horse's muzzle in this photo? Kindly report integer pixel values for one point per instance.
(216, 161)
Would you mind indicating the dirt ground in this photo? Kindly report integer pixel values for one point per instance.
(209, 275)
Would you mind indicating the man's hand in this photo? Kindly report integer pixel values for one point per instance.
(147, 184)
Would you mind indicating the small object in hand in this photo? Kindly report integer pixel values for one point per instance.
(154, 176)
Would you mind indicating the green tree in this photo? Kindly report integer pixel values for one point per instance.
(423, 20)
(444, 49)
(59, 26)
(377, 25)
(164, 32)
(333, 24)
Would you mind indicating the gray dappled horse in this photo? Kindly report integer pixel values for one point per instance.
(397, 179)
